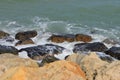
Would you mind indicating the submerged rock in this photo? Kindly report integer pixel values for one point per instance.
(59, 70)
(40, 51)
(9, 60)
(83, 37)
(85, 47)
(110, 41)
(8, 49)
(114, 52)
(3, 34)
(25, 35)
(24, 42)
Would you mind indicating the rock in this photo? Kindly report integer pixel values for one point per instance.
(3, 34)
(8, 49)
(110, 41)
(83, 37)
(8, 39)
(40, 51)
(9, 60)
(25, 35)
(89, 63)
(57, 38)
(109, 72)
(114, 52)
(85, 47)
(48, 59)
(24, 42)
(59, 70)
(105, 57)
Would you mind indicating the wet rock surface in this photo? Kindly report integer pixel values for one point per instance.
(3, 34)
(25, 35)
(8, 49)
(70, 38)
(114, 52)
(40, 51)
(24, 42)
(85, 47)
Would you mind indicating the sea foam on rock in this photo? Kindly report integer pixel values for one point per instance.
(59, 70)
(3, 34)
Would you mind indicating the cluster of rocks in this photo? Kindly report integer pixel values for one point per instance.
(82, 65)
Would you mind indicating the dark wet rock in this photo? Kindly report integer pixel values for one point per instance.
(40, 51)
(110, 41)
(85, 47)
(24, 42)
(25, 35)
(83, 37)
(8, 49)
(114, 52)
(48, 59)
(105, 57)
(3, 34)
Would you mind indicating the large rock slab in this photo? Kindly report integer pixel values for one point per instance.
(40, 51)
(59, 70)
(8, 61)
(85, 47)
(25, 35)
(114, 52)
(8, 49)
(109, 72)
(89, 63)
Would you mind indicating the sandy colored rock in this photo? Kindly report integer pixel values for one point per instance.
(59, 70)
(89, 63)
(109, 72)
(8, 61)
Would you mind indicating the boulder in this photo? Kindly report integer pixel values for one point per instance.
(85, 47)
(24, 42)
(40, 51)
(109, 72)
(8, 61)
(59, 70)
(114, 52)
(57, 38)
(3, 34)
(8, 49)
(48, 59)
(25, 35)
(89, 63)
(83, 37)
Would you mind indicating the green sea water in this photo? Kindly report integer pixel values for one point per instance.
(67, 16)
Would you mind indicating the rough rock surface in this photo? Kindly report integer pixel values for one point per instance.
(24, 42)
(3, 34)
(114, 52)
(83, 37)
(59, 70)
(109, 72)
(96, 46)
(25, 35)
(8, 61)
(8, 49)
(89, 63)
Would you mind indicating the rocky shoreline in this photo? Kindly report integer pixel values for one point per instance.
(89, 60)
